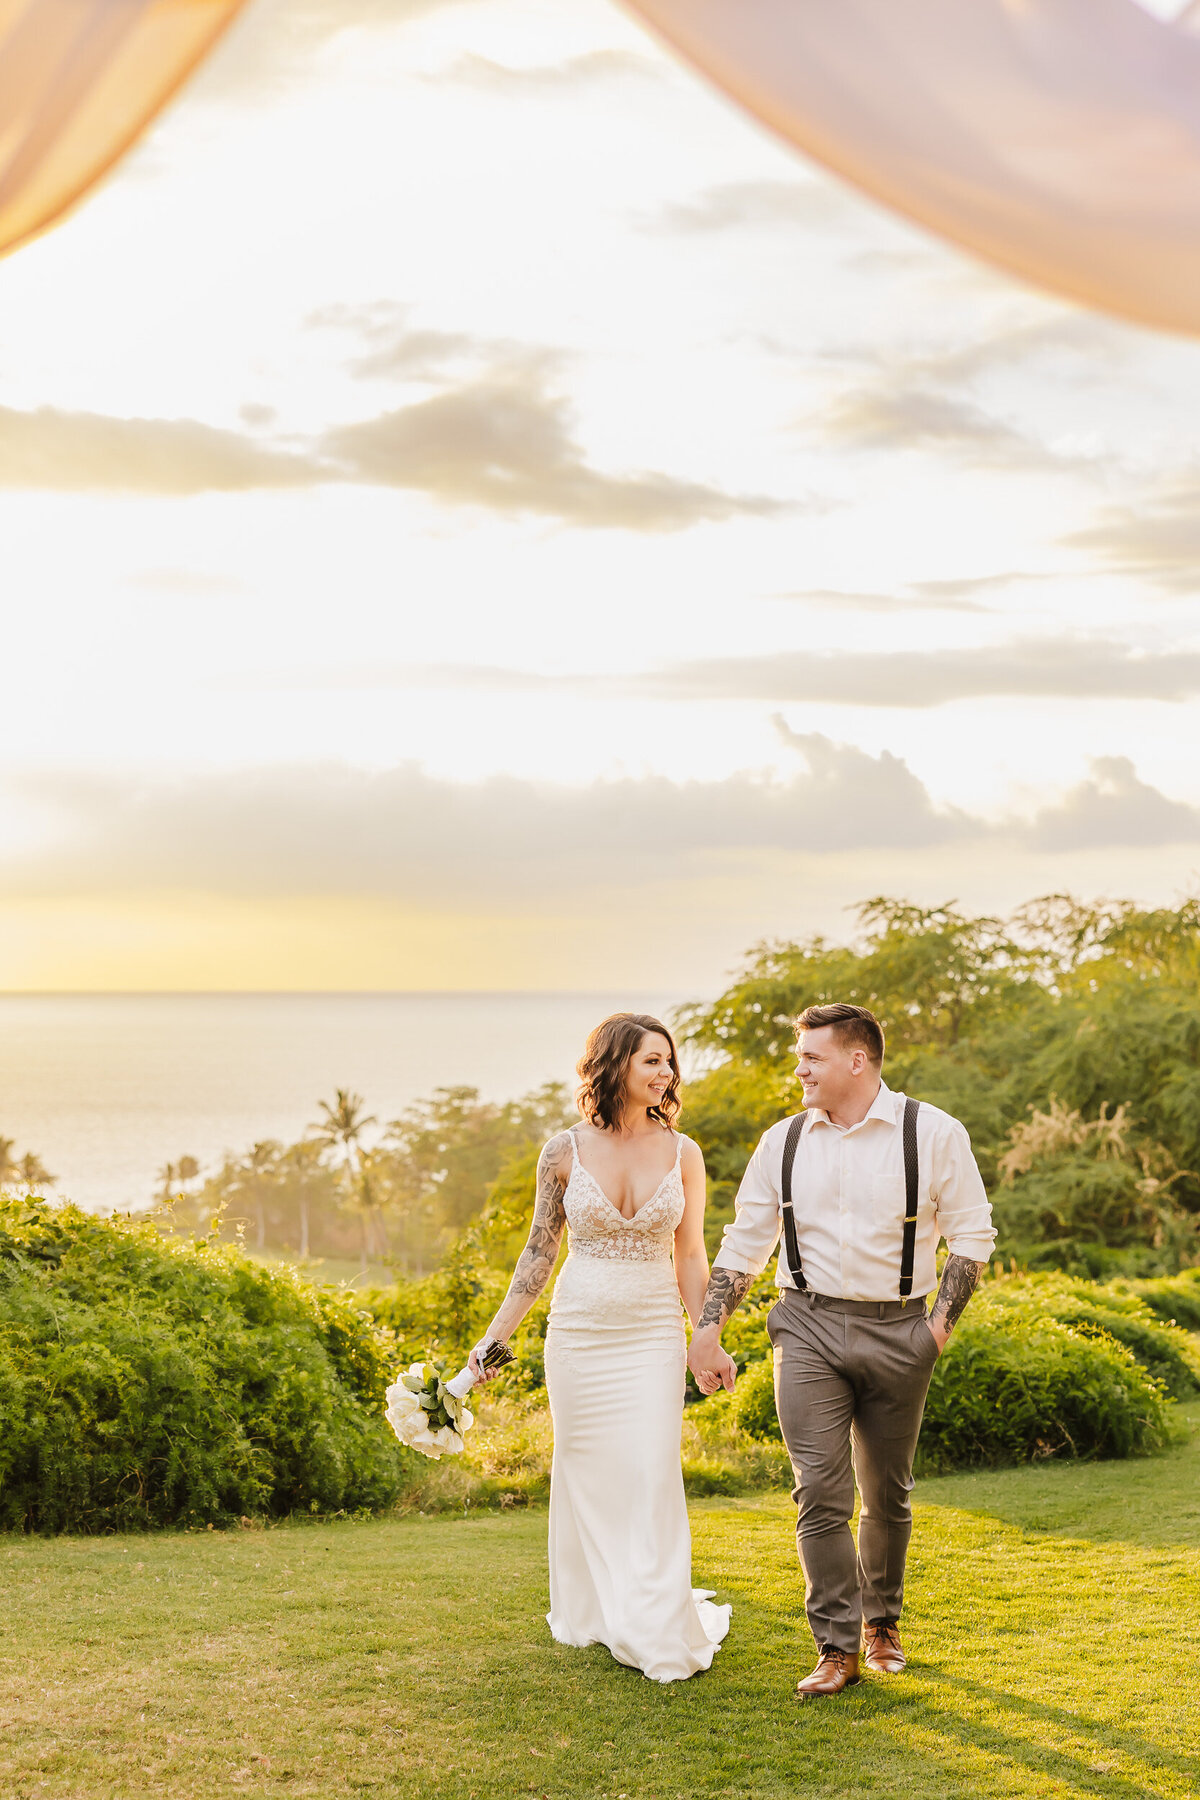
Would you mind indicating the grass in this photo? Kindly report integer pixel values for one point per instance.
(1051, 1622)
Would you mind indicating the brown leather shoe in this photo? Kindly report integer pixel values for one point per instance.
(881, 1646)
(836, 1670)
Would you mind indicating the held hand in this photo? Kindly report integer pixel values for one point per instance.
(712, 1365)
(475, 1363)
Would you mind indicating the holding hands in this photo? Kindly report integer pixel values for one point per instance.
(710, 1362)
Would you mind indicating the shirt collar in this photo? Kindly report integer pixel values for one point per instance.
(883, 1106)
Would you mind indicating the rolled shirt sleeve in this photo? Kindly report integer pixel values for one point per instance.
(748, 1242)
(964, 1213)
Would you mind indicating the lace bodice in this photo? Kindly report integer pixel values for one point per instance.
(597, 1229)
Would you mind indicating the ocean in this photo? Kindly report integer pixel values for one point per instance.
(106, 1088)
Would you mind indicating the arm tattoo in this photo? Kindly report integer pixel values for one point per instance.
(726, 1290)
(537, 1260)
(959, 1279)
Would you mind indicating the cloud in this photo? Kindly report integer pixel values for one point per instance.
(185, 581)
(1159, 538)
(74, 452)
(406, 834)
(1061, 668)
(274, 43)
(925, 401)
(734, 204)
(1114, 809)
(576, 72)
(504, 442)
(910, 417)
(958, 595)
(393, 347)
(1058, 334)
(1066, 667)
(403, 835)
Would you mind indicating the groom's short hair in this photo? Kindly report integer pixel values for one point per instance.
(854, 1026)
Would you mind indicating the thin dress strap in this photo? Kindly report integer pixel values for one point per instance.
(678, 1148)
(574, 1147)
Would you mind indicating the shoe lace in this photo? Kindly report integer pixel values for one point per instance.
(885, 1629)
(831, 1653)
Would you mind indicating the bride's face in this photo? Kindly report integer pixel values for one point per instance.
(649, 1073)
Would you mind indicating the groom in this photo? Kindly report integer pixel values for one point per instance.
(862, 1185)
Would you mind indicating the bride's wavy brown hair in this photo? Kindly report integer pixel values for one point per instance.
(604, 1064)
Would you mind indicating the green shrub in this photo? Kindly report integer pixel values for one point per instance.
(147, 1381)
(1163, 1349)
(754, 1401)
(1037, 1367)
(1174, 1298)
(1015, 1385)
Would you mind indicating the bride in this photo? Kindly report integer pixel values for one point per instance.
(630, 1191)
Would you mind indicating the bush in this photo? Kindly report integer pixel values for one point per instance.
(147, 1381)
(1174, 1298)
(1039, 1366)
(1016, 1385)
(754, 1401)
(1161, 1348)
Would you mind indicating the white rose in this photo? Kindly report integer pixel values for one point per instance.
(401, 1399)
(448, 1441)
(402, 1409)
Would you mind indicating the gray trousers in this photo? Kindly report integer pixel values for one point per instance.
(851, 1375)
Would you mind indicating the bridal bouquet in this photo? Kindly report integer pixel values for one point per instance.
(428, 1413)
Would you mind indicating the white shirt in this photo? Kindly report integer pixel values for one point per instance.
(848, 1200)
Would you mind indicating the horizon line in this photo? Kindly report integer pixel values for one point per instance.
(311, 993)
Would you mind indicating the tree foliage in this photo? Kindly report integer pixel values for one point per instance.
(1063, 1012)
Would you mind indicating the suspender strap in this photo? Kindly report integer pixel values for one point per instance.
(911, 1188)
(790, 1142)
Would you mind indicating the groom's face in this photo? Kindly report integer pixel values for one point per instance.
(830, 1071)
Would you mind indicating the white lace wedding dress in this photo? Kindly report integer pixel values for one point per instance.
(620, 1543)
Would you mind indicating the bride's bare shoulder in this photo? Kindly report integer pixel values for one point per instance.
(556, 1151)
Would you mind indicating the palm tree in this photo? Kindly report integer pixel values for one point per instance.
(303, 1175)
(340, 1131)
(33, 1172)
(10, 1168)
(173, 1176)
(260, 1171)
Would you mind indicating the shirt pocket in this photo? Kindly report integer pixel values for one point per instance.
(889, 1199)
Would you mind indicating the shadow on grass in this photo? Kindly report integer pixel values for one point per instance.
(1111, 1739)
(1153, 1502)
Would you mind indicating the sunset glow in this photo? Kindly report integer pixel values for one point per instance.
(479, 513)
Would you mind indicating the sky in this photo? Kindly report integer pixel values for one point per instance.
(478, 512)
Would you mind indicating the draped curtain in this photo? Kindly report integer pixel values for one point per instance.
(79, 81)
(1058, 139)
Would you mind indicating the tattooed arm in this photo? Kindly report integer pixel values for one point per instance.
(959, 1279)
(536, 1262)
(727, 1288)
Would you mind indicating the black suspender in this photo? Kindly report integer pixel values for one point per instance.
(912, 1192)
(795, 1127)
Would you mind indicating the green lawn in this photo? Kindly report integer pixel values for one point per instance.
(1052, 1624)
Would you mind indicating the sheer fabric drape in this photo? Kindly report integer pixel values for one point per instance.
(1059, 139)
(79, 81)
